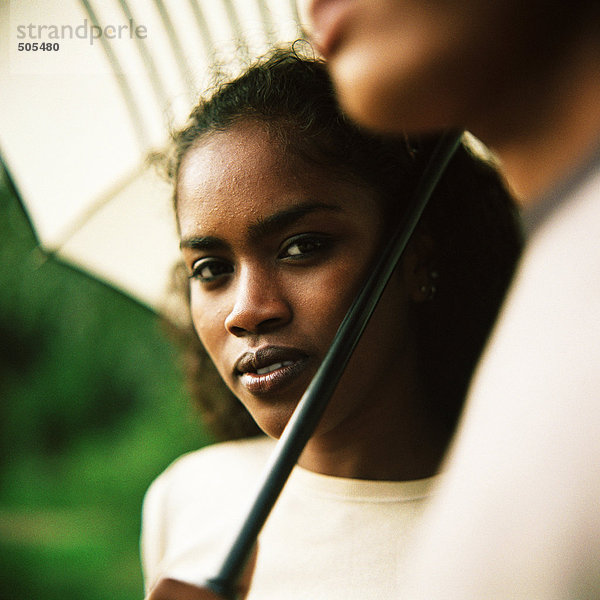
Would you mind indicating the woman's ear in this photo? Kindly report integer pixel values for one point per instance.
(419, 272)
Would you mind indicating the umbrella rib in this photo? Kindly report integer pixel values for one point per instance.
(101, 201)
(176, 47)
(155, 79)
(124, 86)
(12, 186)
(233, 20)
(267, 20)
(300, 28)
(295, 12)
(204, 29)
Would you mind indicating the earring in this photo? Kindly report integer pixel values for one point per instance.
(430, 289)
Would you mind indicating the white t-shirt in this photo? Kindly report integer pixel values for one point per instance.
(327, 538)
(518, 514)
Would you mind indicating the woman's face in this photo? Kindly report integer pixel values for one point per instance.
(420, 65)
(276, 250)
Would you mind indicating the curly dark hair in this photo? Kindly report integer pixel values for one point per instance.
(471, 219)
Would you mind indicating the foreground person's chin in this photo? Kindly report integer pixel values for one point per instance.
(363, 94)
(386, 99)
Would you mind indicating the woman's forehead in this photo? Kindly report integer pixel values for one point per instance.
(226, 156)
(242, 176)
(248, 159)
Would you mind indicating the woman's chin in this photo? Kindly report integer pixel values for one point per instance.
(273, 419)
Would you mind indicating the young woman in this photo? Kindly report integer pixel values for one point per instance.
(282, 206)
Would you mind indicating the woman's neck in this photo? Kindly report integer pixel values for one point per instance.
(393, 440)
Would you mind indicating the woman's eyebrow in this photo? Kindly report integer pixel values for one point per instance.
(266, 226)
(262, 228)
(203, 242)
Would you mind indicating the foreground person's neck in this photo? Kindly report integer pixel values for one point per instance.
(558, 133)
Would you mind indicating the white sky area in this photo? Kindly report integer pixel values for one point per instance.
(70, 140)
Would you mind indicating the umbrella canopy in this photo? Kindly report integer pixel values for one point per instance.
(88, 91)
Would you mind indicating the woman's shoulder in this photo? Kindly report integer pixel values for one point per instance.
(201, 491)
(225, 455)
(237, 460)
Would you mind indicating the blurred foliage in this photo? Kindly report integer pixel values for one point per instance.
(92, 409)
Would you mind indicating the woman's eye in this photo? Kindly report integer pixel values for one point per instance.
(209, 269)
(301, 247)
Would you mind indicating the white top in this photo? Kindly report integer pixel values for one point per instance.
(327, 537)
(518, 514)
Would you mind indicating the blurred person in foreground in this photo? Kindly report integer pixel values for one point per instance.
(283, 204)
(518, 515)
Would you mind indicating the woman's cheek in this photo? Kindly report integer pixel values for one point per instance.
(208, 321)
(332, 307)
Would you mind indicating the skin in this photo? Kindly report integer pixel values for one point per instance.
(288, 284)
(172, 589)
(519, 75)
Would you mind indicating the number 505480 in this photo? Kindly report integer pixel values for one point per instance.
(35, 46)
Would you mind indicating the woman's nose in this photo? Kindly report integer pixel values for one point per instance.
(260, 304)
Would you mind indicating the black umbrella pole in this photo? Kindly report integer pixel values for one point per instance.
(316, 397)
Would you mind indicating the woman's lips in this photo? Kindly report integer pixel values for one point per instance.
(270, 369)
(326, 20)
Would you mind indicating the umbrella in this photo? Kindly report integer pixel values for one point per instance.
(89, 91)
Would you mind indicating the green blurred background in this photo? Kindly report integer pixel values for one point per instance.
(92, 408)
